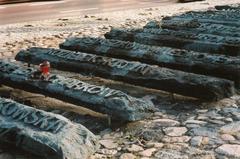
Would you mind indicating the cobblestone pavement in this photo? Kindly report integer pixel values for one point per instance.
(178, 130)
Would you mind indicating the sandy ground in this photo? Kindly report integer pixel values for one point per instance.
(192, 129)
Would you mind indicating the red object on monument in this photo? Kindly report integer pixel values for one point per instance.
(45, 68)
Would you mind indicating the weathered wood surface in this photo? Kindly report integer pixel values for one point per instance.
(196, 27)
(188, 84)
(189, 61)
(98, 98)
(44, 134)
(179, 39)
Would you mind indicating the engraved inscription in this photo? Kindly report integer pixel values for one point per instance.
(32, 117)
(111, 62)
(192, 36)
(211, 15)
(125, 45)
(202, 27)
(88, 88)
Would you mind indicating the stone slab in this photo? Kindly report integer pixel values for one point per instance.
(115, 103)
(195, 26)
(229, 22)
(179, 39)
(189, 61)
(44, 134)
(152, 76)
(228, 7)
(226, 17)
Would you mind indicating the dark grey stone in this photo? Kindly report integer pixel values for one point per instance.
(179, 39)
(44, 134)
(170, 154)
(228, 7)
(194, 26)
(226, 17)
(151, 76)
(99, 98)
(204, 131)
(186, 1)
(189, 61)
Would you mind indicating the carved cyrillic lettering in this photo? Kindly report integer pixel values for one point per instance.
(20, 114)
(119, 64)
(92, 59)
(43, 122)
(112, 93)
(72, 83)
(82, 86)
(95, 89)
(32, 118)
(107, 61)
(8, 109)
(54, 52)
(143, 69)
(72, 56)
(62, 54)
(55, 126)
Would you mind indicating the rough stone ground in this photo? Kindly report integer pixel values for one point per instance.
(179, 130)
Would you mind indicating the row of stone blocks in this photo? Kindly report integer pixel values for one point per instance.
(220, 66)
(146, 75)
(115, 103)
(212, 31)
(200, 42)
(53, 136)
(206, 76)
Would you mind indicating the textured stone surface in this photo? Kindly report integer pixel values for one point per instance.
(170, 154)
(127, 156)
(6, 156)
(228, 7)
(147, 152)
(108, 144)
(179, 39)
(189, 61)
(229, 150)
(196, 27)
(175, 131)
(165, 122)
(197, 122)
(226, 17)
(204, 131)
(179, 111)
(176, 139)
(227, 137)
(135, 148)
(232, 128)
(196, 141)
(44, 134)
(152, 76)
(99, 98)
